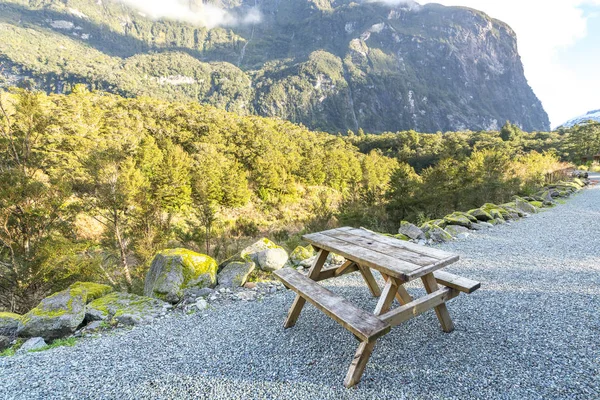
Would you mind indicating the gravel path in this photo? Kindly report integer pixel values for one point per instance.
(532, 331)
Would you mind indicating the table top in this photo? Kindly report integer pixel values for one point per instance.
(397, 258)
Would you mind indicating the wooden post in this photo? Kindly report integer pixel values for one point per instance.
(370, 280)
(359, 362)
(402, 294)
(387, 297)
(299, 301)
(442, 312)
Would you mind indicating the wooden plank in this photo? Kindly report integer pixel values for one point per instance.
(419, 306)
(362, 324)
(389, 265)
(387, 297)
(370, 280)
(343, 267)
(332, 272)
(441, 310)
(298, 303)
(391, 249)
(359, 362)
(456, 282)
(427, 251)
(418, 273)
(402, 295)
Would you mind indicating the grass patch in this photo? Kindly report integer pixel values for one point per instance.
(69, 342)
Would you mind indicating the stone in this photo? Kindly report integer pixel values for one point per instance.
(235, 274)
(309, 262)
(251, 252)
(459, 219)
(270, 260)
(56, 316)
(497, 221)
(93, 326)
(439, 235)
(333, 258)
(455, 230)
(34, 343)
(250, 285)
(174, 270)
(481, 215)
(196, 292)
(9, 324)
(247, 296)
(486, 225)
(125, 308)
(478, 226)
(4, 342)
(525, 206)
(201, 304)
(410, 230)
(94, 290)
(462, 236)
(300, 254)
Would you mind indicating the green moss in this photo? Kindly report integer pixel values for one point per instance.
(93, 290)
(116, 304)
(537, 204)
(12, 350)
(194, 264)
(9, 315)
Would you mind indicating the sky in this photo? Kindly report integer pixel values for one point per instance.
(559, 43)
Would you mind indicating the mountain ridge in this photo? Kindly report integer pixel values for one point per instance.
(330, 65)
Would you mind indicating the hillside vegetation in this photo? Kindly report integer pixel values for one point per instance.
(93, 184)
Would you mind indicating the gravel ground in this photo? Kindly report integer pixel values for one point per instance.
(532, 331)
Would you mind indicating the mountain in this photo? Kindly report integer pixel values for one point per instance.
(590, 116)
(332, 65)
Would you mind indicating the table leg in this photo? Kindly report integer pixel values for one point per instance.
(299, 301)
(402, 295)
(442, 311)
(370, 280)
(387, 297)
(359, 362)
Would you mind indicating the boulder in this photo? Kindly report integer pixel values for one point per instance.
(497, 221)
(174, 270)
(250, 253)
(460, 219)
(300, 254)
(56, 316)
(478, 226)
(410, 230)
(438, 234)
(481, 215)
(272, 259)
(34, 343)
(4, 342)
(456, 230)
(9, 324)
(525, 206)
(235, 274)
(125, 308)
(333, 258)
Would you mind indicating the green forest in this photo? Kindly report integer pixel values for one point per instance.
(93, 184)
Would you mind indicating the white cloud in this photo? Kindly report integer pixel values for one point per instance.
(545, 29)
(206, 15)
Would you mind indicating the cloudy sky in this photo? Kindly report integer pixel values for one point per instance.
(559, 42)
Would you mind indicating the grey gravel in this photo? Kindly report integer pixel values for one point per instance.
(531, 332)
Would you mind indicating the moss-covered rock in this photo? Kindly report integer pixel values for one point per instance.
(270, 260)
(93, 290)
(300, 254)
(56, 316)
(480, 215)
(524, 206)
(235, 274)
(174, 270)
(250, 253)
(438, 234)
(125, 308)
(410, 230)
(458, 218)
(537, 204)
(9, 324)
(456, 230)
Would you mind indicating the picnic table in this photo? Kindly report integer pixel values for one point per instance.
(398, 262)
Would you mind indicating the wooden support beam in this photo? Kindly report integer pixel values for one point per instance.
(419, 306)
(387, 297)
(441, 310)
(402, 295)
(370, 280)
(298, 303)
(359, 362)
(332, 272)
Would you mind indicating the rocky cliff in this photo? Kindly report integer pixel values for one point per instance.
(333, 65)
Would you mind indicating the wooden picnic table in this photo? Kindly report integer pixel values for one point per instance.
(398, 262)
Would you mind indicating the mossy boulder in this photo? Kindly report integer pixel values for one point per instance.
(480, 214)
(456, 230)
(458, 218)
(126, 309)
(497, 212)
(235, 274)
(270, 260)
(525, 206)
(250, 253)
(300, 254)
(174, 270)
(537, 204)
(438, 234)
(94, 290)
(9, 324)
(56, 316)
(410, 230)
(398, 236)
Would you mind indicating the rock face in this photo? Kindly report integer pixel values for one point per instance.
(174, 270)
(235, 274)
(125, 308)
(56, 316)
(331, 65)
